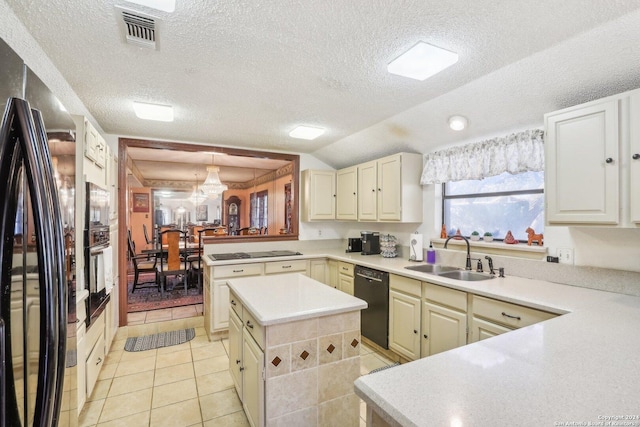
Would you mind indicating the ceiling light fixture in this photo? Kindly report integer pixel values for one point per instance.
(422, 61)
(458, 122)
(306, 132)
(212, 186)
(163, 5)
(161, 113)
(197, 196)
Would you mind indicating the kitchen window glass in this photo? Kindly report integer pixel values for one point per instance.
(496, 204)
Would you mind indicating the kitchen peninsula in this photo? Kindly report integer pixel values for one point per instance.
(294, 350)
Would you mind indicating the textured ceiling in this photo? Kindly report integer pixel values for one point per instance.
(244, 73)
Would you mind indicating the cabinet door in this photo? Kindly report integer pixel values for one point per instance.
(318, 270)
(404, 324)
(221, 305)
(634, 159)
(345, 284)
(582, 165)
(368, 191)
(389, 189)
(347, 194)
(320, 195)
(252, 380)
(235, 351)
(333, 273)
(481, 330)
(442, 329)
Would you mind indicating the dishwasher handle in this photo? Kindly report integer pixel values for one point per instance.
(371, 279)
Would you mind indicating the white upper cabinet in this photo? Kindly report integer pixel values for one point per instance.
(319, 200)
(389, 189)
(591, 177)
(368, 191)
(347, 194)
(382, 190)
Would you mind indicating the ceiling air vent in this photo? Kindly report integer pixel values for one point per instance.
(139, 29)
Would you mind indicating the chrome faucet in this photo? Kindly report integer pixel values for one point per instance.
(468, 265)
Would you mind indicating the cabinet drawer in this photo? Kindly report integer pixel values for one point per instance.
(94, 364)
(256, 330)
(95, 330)
(508, 314)
(445, 296)
(299, 265)
(404, 284)
(238, 270)
(345, 268)
(235, 304)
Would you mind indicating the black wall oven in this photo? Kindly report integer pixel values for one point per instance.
(96, 241)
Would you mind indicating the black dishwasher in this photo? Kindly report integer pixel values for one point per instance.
(373, 287)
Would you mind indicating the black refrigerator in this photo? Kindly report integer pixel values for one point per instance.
(33, 291)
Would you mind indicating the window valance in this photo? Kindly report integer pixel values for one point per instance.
(516, 153)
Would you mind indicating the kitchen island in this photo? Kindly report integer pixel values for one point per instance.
(294, 350)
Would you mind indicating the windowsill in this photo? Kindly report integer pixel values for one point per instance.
(520, 250)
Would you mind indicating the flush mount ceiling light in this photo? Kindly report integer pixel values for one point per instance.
(161, 113)
(458, 122)
(163, 5)
(306, 132)
(422, 61)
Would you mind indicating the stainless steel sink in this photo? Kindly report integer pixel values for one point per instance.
(468, 276)
(431, 268)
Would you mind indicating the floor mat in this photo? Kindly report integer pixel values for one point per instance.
(163, 339)
(384, 367)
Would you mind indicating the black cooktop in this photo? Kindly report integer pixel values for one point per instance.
(243, 255)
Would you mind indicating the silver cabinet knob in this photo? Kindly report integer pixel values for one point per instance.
(609, 160)
(636, 156)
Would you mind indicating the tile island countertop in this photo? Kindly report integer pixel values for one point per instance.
(283, 298)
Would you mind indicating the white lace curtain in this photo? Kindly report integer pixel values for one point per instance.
(516, 153)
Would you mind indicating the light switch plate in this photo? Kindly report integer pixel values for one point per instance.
(565, 255)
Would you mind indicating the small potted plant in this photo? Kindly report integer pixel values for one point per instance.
(488, 237)
(475, 236)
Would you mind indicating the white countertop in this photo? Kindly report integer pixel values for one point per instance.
(283, 298)
(580, 367)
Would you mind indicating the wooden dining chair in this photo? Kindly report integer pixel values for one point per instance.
(142, 264)
(175, 264)
(196, 259)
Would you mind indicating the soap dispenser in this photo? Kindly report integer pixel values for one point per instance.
(431, 254)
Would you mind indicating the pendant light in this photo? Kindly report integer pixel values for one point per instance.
(212, 186)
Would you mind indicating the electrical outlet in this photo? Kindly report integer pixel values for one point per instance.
(319, 233)
(565, 255)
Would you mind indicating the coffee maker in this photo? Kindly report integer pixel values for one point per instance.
(370, 242)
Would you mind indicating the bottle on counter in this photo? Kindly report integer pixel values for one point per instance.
(431, 254)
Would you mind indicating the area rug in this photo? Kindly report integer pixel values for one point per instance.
(163, 339)
(147, 299)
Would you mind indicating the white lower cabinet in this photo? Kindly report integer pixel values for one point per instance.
(332, 271)
(246, 361)
(404, 316)
(318, 270)
(442, 328)
(252, 379)
(444, 319)
(493, 317)
(281, 267)
(482, 329)
(404, 324)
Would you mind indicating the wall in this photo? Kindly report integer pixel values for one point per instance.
(137, 219)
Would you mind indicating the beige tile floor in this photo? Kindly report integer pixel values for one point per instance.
(183, 385)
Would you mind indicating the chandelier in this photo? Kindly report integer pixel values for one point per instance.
(212, 186)
(197, 196)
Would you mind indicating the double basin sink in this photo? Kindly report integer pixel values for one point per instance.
(450, 272)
